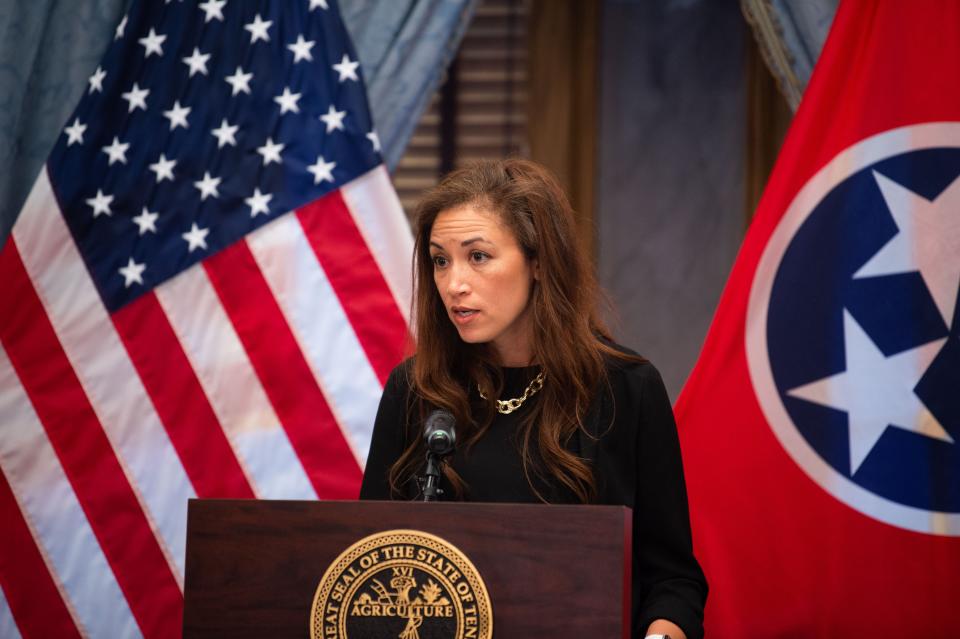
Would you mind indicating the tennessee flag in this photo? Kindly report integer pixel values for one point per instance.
(821, 425)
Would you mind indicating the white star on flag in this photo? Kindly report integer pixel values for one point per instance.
(117, 151)
(225, 134)
(75, 132)
(322, 170)
(346, 69)
(208, 186)
(196, 238)
(163, 168)
(101, 204)
(152, 43)
(374, 140)
(132, 273)
(288, 101)
(213, 9)
(177, 116)
(96, 80)
(928, 241)
(270, 151)
(120, 28)
(146, 221)
(240, 81)
(333, 119)
(258, 29)
(258, 202)
(301, 49)
(876, 391)
(197, 62)
(136, 98)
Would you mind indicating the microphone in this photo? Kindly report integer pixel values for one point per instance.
(439, 433)
(440, 437)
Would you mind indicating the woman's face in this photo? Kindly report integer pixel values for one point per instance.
(484, 280)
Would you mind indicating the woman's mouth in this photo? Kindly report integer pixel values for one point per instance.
(463, 315)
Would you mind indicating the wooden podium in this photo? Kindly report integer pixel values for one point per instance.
(253, 566)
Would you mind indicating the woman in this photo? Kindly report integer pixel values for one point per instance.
(547, 407)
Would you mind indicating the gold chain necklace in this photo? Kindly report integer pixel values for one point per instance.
(507, 406)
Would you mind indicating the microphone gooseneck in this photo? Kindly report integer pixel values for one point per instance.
(439, 435)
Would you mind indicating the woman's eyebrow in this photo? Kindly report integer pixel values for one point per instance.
(466, 242)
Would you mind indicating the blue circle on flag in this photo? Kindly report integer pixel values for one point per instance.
(814, 296)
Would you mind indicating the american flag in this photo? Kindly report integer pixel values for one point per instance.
(202, 297)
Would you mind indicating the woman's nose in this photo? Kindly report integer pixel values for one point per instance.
(459, 282)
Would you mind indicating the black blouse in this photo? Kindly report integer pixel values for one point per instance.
(636, 463)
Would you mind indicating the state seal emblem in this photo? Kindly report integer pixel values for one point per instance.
(401, 584)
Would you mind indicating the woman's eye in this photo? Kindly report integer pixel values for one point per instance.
(439, 261)
(478, 256)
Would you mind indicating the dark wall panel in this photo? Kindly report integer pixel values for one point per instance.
(670, 186)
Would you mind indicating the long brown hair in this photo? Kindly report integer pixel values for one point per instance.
(567, 331)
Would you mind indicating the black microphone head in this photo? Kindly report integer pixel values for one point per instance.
(439, 432)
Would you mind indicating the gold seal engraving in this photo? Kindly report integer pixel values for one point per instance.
(401, 584)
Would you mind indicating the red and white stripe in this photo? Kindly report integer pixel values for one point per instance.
(320, 327)
(45, 505)
(254, 374)
(373, 204)
(8, 627)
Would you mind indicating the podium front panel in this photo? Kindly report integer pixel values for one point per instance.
(253, 566)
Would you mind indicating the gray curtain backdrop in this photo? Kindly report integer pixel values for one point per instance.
(48, 49)
(405, 47)
(670, 187)
(790, 34)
